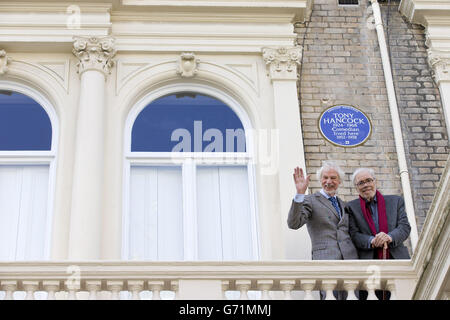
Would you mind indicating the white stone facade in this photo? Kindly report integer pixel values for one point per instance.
(94, 62)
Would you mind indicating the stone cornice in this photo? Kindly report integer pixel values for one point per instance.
(282, 62)
(55, 7)
(52, 22)
(299, 8)
(164, 25)
(420, 11)
(94, 53)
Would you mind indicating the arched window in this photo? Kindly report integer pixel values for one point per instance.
(190, 193)
(26, 168)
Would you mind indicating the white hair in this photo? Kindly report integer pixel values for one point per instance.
(359, 170)
(330, 165)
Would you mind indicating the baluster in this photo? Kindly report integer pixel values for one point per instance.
(243, 286)
(174, 287)
(390, 286)
(287, 286)
(135, 286)
(225, 287)
(308, 286)
(371, 285)
(115, 287)
(72, 287)
(350, 286)
(9, 286)
(51, 287)
(264, 286)
(155, 287)
(328, 286)
(93, 286)
(30, 287)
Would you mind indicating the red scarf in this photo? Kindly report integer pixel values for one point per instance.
(382, 219)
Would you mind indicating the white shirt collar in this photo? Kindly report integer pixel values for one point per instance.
(326, 195)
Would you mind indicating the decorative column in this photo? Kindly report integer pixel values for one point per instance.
(308, 286)
(264, 286)
(287, 286)
(51, 286)
(243, 286)
(93, 286)
(282, 69)
(135, 287)
(9, 286)
(155, 287)
(440, 62)
(94, 66)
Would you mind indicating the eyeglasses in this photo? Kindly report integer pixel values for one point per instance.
(363, 182)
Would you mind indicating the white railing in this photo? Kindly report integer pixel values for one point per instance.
(204, 280)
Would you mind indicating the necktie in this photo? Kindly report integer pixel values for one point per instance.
(374, 217)
(335, 205)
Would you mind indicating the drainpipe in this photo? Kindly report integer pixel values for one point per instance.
(404, 176)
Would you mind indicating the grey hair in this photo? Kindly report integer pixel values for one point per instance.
(359, 170)
(330, 165)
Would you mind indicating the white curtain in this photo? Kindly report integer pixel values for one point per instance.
(223, 214)
(23, 211)
(156, 213)
(222, 223)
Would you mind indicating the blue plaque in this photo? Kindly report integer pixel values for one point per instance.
(345, 126)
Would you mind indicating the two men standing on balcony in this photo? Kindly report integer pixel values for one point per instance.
(324, 215)
(377, 225)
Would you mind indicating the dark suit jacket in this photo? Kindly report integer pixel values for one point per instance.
(330, 238)
(398, 228)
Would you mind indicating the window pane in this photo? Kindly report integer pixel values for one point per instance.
(23, 211)
(24, 124)
(188, 122)
(348, 2)
(156, 213)
(224, 218)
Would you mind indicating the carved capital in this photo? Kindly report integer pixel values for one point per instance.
(4, 60)
(187, 65)
(282, 62)
(440, 63)
(94, 53)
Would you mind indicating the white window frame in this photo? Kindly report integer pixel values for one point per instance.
(189, 162)
(37, 157)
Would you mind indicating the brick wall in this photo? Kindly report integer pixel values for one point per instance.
(422, 119)
(342, 64)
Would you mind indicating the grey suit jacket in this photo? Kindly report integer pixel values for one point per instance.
(330, 237)
(398, 228)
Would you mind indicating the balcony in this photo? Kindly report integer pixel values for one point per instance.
(422, 277)
(203, 280)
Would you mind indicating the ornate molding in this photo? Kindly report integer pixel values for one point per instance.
(4, 60)
(422, 11)
(94, 53)
(187, 65)
(282, 62)
(440, 63)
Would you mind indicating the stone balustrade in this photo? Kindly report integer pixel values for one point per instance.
(203, 280)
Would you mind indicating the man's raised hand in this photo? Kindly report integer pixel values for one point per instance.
(301, 182)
